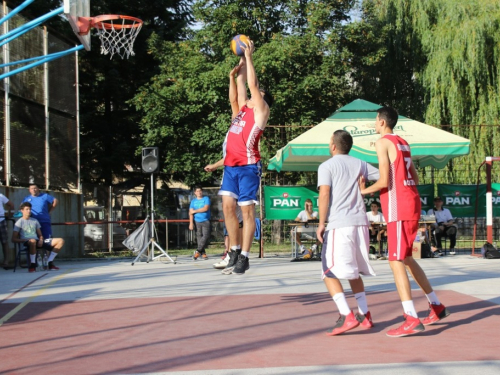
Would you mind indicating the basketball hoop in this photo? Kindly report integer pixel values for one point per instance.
(117, 33)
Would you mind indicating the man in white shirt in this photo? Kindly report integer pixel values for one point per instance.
(308, 231)
(444, 225)
(374, 216)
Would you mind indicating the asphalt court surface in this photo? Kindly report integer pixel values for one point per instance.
(108, 317)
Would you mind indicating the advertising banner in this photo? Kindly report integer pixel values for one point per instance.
(426, 193)
(495, 189)
(285, 202)
(461, 199)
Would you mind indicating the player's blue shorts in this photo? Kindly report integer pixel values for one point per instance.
(242, 183)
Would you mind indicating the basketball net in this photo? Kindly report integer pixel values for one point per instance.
(118, 35)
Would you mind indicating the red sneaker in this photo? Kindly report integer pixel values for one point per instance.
(32, 267)
(365, 321)
(435, 314)
(196, 255)
(411, 326)
(344, 324)
(52, 267)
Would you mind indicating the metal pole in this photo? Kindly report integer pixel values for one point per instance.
(152, 219)
(46, 104)
(261, 255)
(110, 218)
(6, 87)
(77, 78)
(489, 203)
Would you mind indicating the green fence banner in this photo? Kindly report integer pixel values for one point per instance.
(461, 199)
(285, 202)
(426, 193)
(495, 189)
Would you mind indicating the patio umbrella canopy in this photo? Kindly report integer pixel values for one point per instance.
(429, 145)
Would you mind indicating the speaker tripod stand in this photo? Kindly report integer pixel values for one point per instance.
(152, 239)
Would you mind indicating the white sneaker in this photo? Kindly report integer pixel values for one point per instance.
(302, 249)
(452, 252)
(314, 248)
(220, 265)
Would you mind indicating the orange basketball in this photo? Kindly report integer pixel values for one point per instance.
(238, 44)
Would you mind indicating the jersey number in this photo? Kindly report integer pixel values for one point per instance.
(408, 167)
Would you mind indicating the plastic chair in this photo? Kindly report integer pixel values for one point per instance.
(20, 248)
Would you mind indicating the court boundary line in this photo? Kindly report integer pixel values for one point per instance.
(32, 297)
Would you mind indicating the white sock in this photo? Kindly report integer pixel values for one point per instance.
(237, 247)
(341, 303)
(362, 303)
(52, 255)
(245, 253)
(32, 258)
(433, 299)
(409, 308)
(227, 257)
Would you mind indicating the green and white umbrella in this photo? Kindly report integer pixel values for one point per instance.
(429, 145)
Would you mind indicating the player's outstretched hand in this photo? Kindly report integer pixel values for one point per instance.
(249, 48)
(236, 69)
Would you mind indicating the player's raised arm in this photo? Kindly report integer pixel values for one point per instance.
(241, 81)
(233, 91)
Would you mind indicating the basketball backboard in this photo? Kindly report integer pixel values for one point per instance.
(74, 9)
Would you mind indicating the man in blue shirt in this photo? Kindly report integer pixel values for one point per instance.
(42, 204)
(199, 213)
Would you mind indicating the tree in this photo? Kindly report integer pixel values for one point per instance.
(435, 61)
(185, 107)
(110, 133)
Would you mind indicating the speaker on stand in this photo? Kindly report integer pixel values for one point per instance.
(150, 157)
(150, 164)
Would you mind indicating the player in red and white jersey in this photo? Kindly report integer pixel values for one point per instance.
(242, 166)
(400, 200)
(242, 143)
(401, 205)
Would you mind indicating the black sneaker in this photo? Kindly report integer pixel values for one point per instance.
(242, 265)
(233, 257)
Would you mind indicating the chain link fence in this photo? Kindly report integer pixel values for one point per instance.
(39, 113)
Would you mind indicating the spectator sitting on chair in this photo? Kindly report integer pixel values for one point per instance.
(303, 217)
(3, 228)
(374, 216)
(27, 231)
(42, 205)
(444, 226)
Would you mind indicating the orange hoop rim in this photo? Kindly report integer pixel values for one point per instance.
(102, 22)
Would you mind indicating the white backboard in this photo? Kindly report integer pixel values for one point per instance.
(74, 9)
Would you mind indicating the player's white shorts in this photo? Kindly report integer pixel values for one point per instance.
(345, 253)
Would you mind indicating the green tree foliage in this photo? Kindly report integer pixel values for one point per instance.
(109, 131)
(185, 107)
(436, 61)
(110, 134)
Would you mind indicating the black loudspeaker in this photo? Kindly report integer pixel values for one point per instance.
(150, 160)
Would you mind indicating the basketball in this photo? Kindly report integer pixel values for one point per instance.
(238, 44)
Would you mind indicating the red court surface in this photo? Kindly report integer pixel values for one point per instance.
(226, 332)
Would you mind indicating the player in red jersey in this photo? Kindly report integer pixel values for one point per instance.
(241, 153)
(401, 204)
